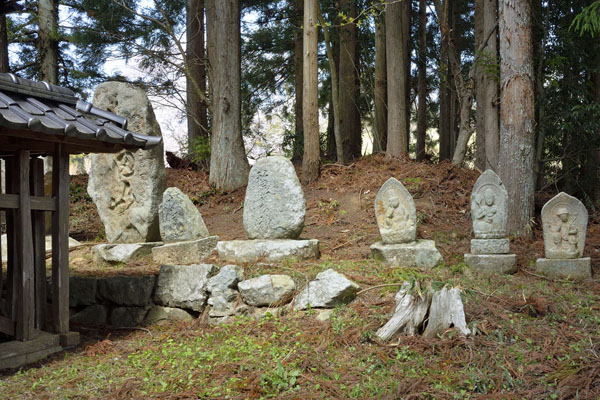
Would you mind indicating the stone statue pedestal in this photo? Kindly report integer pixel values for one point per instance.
(274, 212)
(564, 220)
(491, 255)
(574, 268)
(397, 222)
(420, 254)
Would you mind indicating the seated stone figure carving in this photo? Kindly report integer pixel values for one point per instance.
(564, 233)
(484, 211)
(395, 216)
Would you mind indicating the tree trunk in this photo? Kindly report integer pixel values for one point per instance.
(397, 23)
(479, 90)
(517, 155)
(540, 97)
(411, 310)
(311, 159)
(297, 7)
(197, 118)
(47, 42)
(347, 82)
(446, 311)
(4, 61)
(228, 162)
(487, 89)
(445, 84)
(422, 70)
(380, 132)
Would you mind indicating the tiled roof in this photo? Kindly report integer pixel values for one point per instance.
(53, 110)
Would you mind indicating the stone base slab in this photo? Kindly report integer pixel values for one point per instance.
(185, 253)
(492, 263)
(247, 251)
(420, 254)
(116, 253)
(574, 268)
(490, 246)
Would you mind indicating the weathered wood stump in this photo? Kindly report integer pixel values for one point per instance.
(431, 312)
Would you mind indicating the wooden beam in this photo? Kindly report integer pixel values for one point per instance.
(60, 240)
(7, 326)
(39, 243)
(38, 203)
(11, 243)
(1, 263)
(25, 275)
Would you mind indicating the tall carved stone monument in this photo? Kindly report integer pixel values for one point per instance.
(274, 211)
(564, 220)
(397, 221)
(127, 187)
(489, 211)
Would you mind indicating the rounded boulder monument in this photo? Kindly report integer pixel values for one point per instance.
(274, 207)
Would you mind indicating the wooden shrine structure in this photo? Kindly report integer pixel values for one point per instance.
(39, 119)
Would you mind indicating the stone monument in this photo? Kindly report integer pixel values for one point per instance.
(274, 211)
(127, 187)
(397, 222)
(564, 220)
(489, 210)
(182, 228)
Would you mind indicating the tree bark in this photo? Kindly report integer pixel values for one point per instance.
(487, 89)
(517, 120)
(47, 40)
(422, 82)
(397, 22)
(479, 92)
(311, 159)
(297, 6)
(228, 162)
(4, 61)
(380, 132)
(197, 117)
(347, 81)
(445, 85)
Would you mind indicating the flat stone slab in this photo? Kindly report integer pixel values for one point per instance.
(245, 251)
(574, 268)
(329, 289)
(490, 246)
(266, 290)
(492, 263)
(72, 244)
(123, 253)
(183, 286)
(185, 253)
(421, 254)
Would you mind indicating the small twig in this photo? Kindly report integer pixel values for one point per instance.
(359, 195)
(344, 244)
(238, 209)
(379, 286)
(547, 278)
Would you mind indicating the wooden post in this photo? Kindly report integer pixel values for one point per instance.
(39, 243)
(11, 306)
(24, 274)
(1, 269)
(60, 240)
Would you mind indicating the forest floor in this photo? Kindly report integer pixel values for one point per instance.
(533, 337)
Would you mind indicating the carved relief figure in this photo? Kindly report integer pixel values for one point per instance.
(565, 233)
(485, 210)
(122, 196)
(395, 213)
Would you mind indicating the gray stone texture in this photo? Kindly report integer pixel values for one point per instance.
(123, 253)
(179, 219)
(489, 206)
(184, 253)
(420, 254)
(492, 263)
(127, 290)
(82, 291)
(248, 251)
(267, 290)
(490, 246)
(328, 290)
(127, 187)
(96, 314)
(183, 286)
(396, 214)
(223, 296)
(127, 316)
(578, 268)
(564, 220)
(274, 207)
(159, 313)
